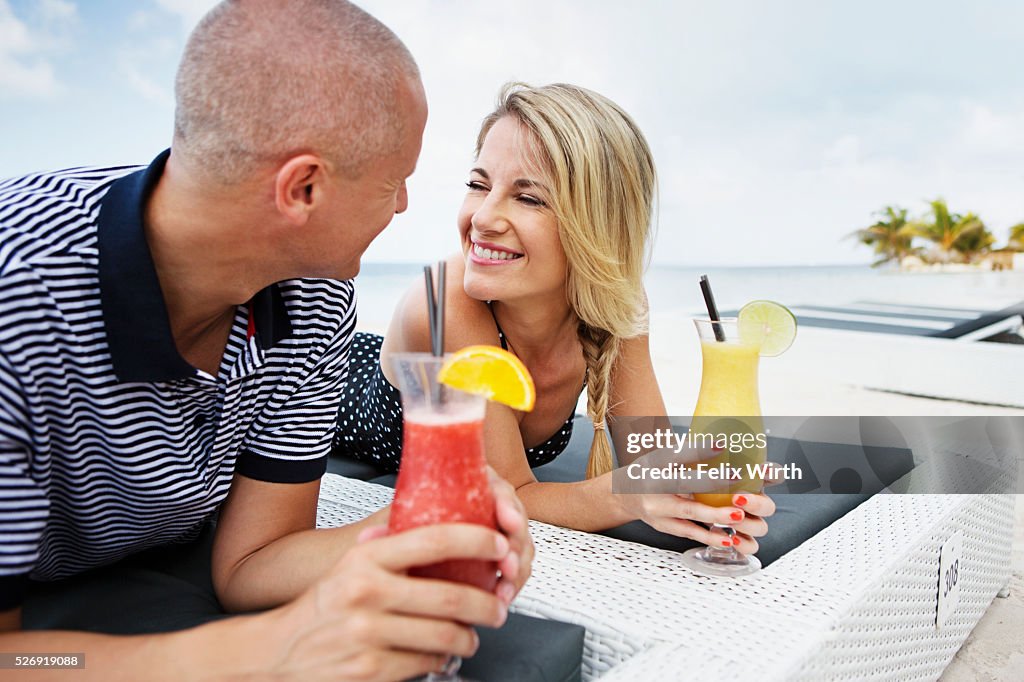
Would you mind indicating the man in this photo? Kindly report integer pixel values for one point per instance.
(166, 352)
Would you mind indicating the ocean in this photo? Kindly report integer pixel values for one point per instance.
(673, 290)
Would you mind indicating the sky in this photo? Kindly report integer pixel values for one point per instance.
(777, 127)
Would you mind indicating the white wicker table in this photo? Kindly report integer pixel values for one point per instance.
(857, 601)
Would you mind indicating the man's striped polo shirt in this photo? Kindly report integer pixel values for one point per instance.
(110, 442)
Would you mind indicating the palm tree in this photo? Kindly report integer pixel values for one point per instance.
(1017, 237)
(890, 235)
(957, 237)
(975, 240)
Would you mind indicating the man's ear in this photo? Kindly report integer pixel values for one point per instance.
(299, 186)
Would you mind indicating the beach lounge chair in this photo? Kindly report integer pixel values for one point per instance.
(798, 518)
(919, 350)
(962, 324)
(855, 600)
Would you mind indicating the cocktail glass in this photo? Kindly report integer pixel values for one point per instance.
(728, 407)
(442, 477)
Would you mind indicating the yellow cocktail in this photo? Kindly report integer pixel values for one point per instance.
(728, 419)
(728, 406)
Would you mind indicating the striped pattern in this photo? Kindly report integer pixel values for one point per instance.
(92, 468)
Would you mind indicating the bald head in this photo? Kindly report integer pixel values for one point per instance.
(262, 80)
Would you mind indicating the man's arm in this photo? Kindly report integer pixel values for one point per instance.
(219, 650)
(365, 619)
(267, 550)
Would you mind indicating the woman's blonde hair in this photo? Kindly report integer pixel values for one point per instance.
(602, 183)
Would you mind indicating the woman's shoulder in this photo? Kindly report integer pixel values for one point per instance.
(467, 320)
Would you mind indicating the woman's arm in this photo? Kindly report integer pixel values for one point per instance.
(591, 505)
(634, 392)
(468, 322)
(587, 505)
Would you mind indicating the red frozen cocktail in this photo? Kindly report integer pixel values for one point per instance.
(443, 479)
(443, 474)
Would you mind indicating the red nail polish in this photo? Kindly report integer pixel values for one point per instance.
(726, 543)
(735, 540)
(741, 500)
(736, 516)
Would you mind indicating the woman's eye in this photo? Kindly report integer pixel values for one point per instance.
(531, 201)
(475, 186)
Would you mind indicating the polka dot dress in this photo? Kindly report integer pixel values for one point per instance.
(370, 419)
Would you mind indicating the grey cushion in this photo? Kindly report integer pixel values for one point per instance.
(351, 468)
(798, 517)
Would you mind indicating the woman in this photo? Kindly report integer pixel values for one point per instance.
(555, 230)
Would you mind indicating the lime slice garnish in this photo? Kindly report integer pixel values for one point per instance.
(768, 324)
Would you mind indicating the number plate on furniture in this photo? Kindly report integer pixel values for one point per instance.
(951, 566)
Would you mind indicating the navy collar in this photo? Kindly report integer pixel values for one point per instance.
(134, 312)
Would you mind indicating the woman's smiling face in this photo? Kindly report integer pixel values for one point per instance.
(509, 232)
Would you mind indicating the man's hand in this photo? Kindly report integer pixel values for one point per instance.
(515, 566)
(368, 620)
(512, 521)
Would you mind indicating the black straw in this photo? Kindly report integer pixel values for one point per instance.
(435, 307)
(709, 301)
(439, 323)
(431, 310)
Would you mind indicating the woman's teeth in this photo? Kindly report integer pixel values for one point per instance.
(490, 254)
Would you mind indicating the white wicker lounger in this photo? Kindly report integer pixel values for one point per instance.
(855, 602)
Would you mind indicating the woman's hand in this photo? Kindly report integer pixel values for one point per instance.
(682, 515)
